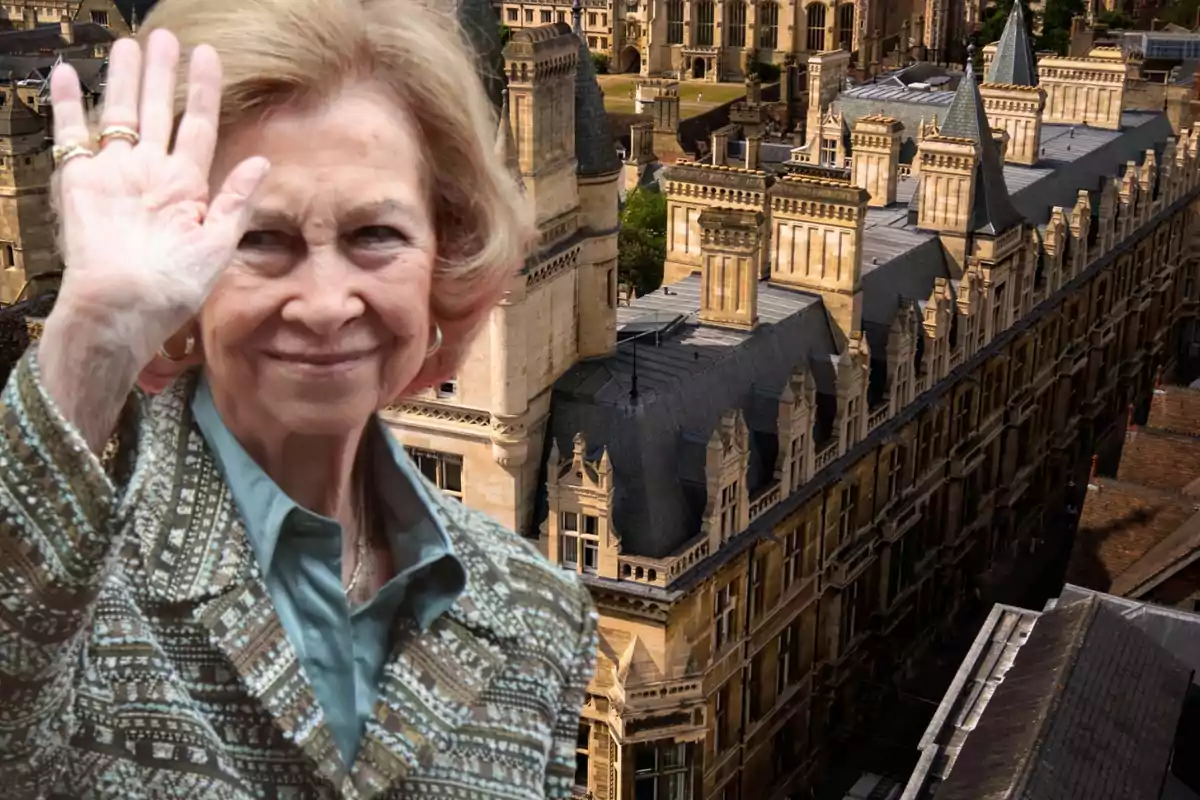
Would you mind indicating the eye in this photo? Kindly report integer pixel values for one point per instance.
(377, 236)
(264, 240)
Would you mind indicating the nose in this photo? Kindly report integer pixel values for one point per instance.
(326, 294)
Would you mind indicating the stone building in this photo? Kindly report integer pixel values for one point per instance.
(482, 435)
(859, 405)
(716, 40)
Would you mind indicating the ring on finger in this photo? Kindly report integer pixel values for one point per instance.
(62, 153)
(122, 132)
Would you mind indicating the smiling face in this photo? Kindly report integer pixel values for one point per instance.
(323, 316)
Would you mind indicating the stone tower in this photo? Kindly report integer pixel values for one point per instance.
(26, 231)
(482, 433)
(962, 191)
(598, 171)
(1011, 96)
(541, 64)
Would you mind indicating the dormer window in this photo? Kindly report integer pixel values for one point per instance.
(828, 151)
(729, 510)
(448, 389)
(100, 18)
(580, 541)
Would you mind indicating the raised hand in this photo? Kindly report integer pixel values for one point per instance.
(142, 243)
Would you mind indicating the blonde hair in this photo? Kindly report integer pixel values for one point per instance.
(280, 52)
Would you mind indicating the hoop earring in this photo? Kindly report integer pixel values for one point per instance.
(189, 348)
(437, 341)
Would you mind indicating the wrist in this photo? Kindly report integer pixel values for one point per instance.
(117, 338)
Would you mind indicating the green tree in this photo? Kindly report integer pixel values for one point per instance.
(1115, 20)
(505, 34)
(1181, 13)
(996, 17)
(1056, 24)
(642, 241)
(601, 62)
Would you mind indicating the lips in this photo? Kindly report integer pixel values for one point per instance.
(319, 359)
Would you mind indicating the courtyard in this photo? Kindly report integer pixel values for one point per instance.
(695, 97)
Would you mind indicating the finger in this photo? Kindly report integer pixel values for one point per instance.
(229, 211)
(121, 91)
(197, 137)
(70, 120)
(158, 89)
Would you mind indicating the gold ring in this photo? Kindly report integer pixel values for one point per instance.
(62, 153)
(123, 132)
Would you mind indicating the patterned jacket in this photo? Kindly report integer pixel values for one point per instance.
(141, 657)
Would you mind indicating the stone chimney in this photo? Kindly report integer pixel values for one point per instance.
(641, 154)
(753, 151)
(66, 29)
(1000, 137)
(875, 143)
(817, 236)
(720, 145)
(732, 253)
(753, 90)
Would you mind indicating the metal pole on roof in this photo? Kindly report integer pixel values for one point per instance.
(633, 392)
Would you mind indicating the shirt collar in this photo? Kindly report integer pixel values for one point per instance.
(417, 535)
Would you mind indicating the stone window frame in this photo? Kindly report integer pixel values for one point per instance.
(440, 476)
(768, 26)
(793, 556)
(674, 21)
(724, 615)
(579, 532)
(664, 769)
(583, 754)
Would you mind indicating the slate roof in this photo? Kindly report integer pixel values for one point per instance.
(595, 148)
(1088, 709)
(696, 372)
(48, 39)
(992, 211)
(1013, 63)
(18, 119)
(1173, 629)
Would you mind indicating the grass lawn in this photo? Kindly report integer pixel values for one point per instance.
(695, 97)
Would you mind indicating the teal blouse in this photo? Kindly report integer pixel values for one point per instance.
(342, 648)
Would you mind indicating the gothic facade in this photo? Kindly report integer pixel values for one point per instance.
(862, 402)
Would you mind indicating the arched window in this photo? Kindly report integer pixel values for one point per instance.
(674, 21)
(704, 23)
(768, 26)
(846, 26)
(816, 27)
(735, 23)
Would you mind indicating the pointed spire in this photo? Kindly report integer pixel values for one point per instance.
(1013, 62)
(577, 17)
(992, 211)
(133, 20)
(506, 143)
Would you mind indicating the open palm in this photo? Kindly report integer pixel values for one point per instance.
(141, 241)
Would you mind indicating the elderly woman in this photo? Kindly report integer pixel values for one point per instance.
(258, 595)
